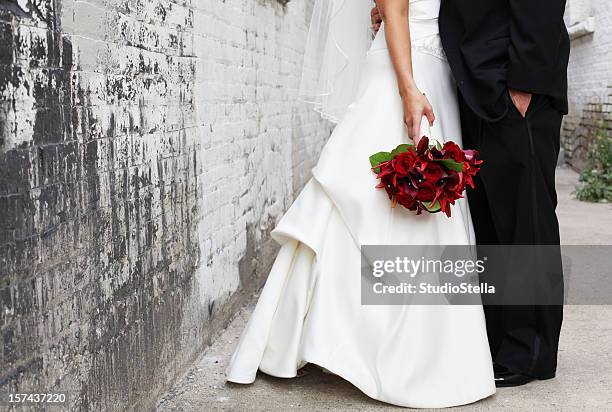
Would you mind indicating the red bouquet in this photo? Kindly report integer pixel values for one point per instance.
(426, 178)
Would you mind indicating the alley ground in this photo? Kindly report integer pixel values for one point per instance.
(585, 360)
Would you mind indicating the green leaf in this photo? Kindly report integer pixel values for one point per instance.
(378, 158)
(433, 208)
(403, 148)
(450, 164)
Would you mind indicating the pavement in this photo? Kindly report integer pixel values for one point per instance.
(584, 377)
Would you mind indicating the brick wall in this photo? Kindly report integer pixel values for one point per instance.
(147, 147)
(590, 83)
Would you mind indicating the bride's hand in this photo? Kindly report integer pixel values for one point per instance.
(416, 106)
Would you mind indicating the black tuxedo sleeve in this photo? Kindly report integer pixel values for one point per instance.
(536, 35)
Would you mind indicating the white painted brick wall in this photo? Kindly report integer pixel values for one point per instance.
(590, 79)
(258, 142)
(590, 69)
(147, 148)
(577, 11)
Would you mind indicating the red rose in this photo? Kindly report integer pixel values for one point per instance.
(405, 162)
(452, 151)
(433, 171)
(406, 200)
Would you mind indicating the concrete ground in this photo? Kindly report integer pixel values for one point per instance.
(583, 383)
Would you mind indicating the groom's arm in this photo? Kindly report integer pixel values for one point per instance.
(536, 32)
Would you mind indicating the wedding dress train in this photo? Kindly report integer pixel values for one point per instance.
(310, 309)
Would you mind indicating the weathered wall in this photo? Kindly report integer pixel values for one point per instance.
(147, 148)
(590, 83)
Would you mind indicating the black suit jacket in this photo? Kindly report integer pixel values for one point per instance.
(495, 44)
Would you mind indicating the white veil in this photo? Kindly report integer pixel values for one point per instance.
(338, 40)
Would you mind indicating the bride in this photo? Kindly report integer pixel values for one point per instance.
(310, 309)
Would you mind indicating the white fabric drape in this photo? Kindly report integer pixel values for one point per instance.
(338, 40)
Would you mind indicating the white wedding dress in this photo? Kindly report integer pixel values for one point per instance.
(310, 309)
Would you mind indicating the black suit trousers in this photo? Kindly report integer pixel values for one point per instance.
(514, 204)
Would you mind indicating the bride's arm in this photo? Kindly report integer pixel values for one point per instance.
(397, 33)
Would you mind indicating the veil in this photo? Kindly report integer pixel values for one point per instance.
(338, 40)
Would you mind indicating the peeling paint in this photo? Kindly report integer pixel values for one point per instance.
(132, 134)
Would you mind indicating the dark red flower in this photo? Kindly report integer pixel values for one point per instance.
(405, 162)
(406, 200)
(433, 171)
(471, 166)
(449, 189)
(452, 151)
(426, 193)
(435, 153)
(423, 146)
(472, 156)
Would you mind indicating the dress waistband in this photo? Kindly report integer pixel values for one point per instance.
(424, 36)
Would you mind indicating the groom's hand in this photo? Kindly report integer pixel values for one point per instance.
(376, 18)
(521, 100)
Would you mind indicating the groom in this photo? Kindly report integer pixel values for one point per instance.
(509, 59)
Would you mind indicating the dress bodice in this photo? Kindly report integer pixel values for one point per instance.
(424, 9)
(424, 31)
